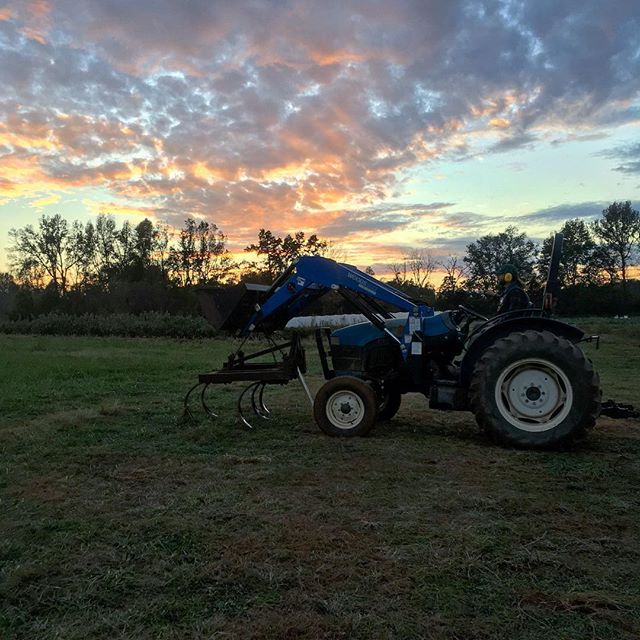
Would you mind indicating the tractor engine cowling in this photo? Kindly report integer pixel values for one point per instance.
(364, 350)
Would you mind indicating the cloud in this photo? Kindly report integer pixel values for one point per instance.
(40, 203)
(298, 114)
(117, 209)
(510, 142)
(383, 218)
(628, 154)
(578, 137)
(560, 213)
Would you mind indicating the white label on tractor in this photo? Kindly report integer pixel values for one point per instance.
(363, 284)
(414, 324)
(416, 348)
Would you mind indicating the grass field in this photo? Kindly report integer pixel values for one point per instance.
(118, 522)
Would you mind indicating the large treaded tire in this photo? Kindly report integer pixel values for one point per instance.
(493, 408)
(345, 407)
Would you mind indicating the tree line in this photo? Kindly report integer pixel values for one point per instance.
(100, 267)
(595, 267)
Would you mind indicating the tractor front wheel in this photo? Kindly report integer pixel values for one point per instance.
(535, 389)
(389, 403)
(345, 406)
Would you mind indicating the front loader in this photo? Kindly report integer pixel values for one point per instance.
(522, 373)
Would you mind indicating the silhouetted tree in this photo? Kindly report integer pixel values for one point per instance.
(619, 231)
(455, 272)
(601, 268)
(8, 291)
(105, 235)
(51, 251)
(144, 240)
(421, 264)
(577, 253)
(200, 255)
(125, 248)
(400, 272)
(485, 255)
(278, 253)
(414, 270)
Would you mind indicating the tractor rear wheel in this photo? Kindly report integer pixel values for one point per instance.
(535, 389)
(345, 406)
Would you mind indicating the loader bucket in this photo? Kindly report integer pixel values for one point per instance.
(229, 308)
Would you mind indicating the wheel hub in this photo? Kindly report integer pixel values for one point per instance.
(534, 395)
(345, 409)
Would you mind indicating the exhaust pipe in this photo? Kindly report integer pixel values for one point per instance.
(552, 285)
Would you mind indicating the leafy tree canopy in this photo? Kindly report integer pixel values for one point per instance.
(485, 255)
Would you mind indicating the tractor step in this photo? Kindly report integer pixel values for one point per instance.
(447, 395)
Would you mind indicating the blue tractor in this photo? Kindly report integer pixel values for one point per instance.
(522, 373)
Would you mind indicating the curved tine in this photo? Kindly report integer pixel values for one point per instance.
(186, 411)
(261, 400)
(257, 409)
(239, 404)
(253, 401)
(204, 404)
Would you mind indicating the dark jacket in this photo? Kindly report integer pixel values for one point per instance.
(513, 298)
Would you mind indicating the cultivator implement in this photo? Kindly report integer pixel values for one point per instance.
(287, 363)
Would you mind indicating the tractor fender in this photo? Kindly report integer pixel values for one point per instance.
(483, 338)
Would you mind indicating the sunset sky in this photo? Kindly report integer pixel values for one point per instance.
(381, 125)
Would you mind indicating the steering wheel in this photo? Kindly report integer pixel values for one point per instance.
(471, 312)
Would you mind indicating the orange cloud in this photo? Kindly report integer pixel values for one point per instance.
(36, 15)
(119, 209)
(33, 34)
(23, 177)
(499, 123)
(39, 8)
(25, 142)
(46, 201)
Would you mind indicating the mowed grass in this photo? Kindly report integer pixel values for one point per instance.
(118, 521)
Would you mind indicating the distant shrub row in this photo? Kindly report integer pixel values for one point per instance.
(150, 325)
(155, 325)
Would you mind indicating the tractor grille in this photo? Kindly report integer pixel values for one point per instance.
(381, 358)
(374, 358)
(347, 358)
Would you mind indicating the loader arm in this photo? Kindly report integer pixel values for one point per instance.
(310, 277)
